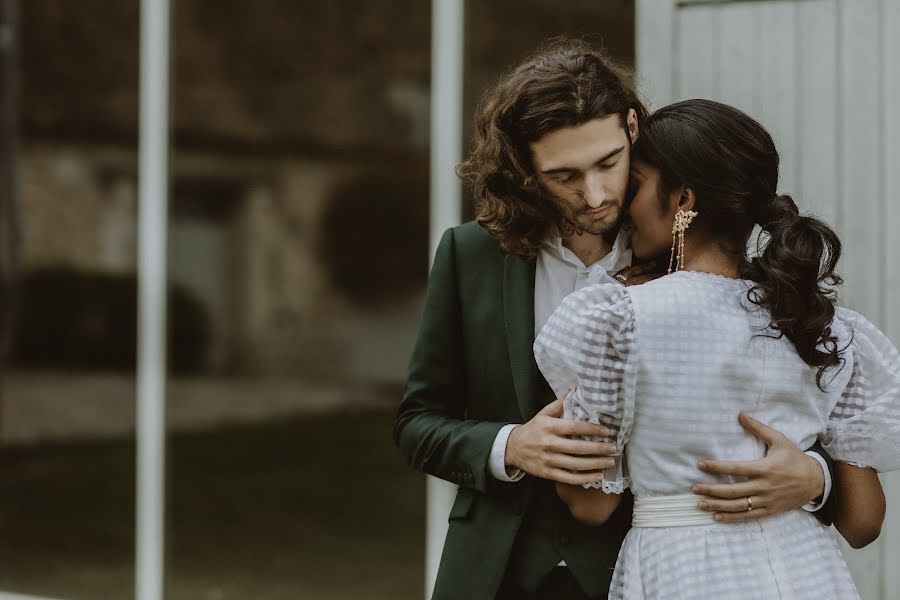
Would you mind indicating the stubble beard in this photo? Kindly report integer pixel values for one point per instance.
(608, 227)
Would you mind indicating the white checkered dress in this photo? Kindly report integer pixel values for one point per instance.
(667, 366)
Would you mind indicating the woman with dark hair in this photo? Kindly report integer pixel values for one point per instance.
(666, 365)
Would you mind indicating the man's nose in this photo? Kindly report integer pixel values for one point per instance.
(594, 193)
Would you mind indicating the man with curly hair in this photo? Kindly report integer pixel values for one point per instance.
(549, 171)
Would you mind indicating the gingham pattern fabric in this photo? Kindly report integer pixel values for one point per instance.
(585, 347)
(669, 365)
(864, 427)
(790, 556)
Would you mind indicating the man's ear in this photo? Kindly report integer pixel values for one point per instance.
(687, 200)
(631, 124)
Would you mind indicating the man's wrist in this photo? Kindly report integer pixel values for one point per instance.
(509, 452)
(498, 462)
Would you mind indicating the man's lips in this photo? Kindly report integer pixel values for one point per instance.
(598, 212)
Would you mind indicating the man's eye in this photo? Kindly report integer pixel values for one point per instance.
(606, 166)
(566, 178)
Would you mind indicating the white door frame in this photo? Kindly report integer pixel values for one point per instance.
(447, 40)
(153, 200)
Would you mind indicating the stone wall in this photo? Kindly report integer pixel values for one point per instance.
(281, 108)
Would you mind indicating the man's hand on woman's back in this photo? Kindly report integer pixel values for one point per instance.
(785, 479)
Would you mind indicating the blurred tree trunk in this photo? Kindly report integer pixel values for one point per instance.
(9, 129)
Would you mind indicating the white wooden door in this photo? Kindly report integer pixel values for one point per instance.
(824, 77)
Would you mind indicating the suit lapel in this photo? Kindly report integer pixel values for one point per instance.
(518, 314)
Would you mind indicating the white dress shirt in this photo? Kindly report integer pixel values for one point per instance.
(558, 273)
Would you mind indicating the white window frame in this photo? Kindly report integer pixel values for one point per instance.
(447, 42)
(153, 200)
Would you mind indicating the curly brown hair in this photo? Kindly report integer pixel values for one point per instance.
(564, 84)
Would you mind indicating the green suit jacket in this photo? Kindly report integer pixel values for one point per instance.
(472, 372)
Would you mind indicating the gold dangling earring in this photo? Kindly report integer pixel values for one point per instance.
(682, 222)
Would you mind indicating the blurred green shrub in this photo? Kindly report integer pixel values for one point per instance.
(373, 234)
(75, 319)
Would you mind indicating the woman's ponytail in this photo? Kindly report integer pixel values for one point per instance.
(792, 277)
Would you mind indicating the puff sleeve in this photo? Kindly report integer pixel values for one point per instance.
(587, 346)
(864, 427)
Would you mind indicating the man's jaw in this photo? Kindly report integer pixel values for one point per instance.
(608, 226)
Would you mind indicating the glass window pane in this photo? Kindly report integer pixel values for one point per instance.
(299, 231)
(298, 261)
(67, 422)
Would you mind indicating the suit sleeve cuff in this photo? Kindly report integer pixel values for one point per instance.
(813, 506)
(497, 459)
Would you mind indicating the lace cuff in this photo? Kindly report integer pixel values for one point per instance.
(614, 479)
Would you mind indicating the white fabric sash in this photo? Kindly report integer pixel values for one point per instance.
(670, 511)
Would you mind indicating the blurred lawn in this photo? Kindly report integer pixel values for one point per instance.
(318, 507)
